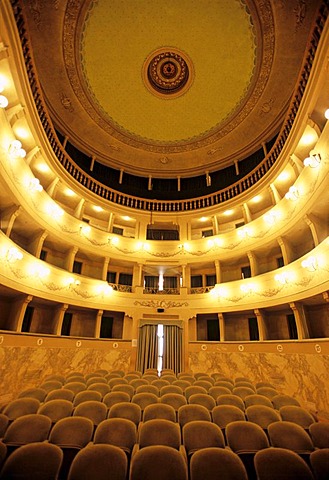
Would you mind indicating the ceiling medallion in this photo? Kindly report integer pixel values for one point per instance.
(168, 72)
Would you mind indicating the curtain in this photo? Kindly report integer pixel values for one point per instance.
(151, 281)
(147, 352)
(172, 347)
(169, 282)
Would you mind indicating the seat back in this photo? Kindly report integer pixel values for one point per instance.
(112, 398)
(262, 415)
(291, 436)
(192, 390)
(75, 387)
(279, 463)
(202, 399)
(171, 389)
(257, 399)
(102, 388)
(268, 392)
(222, 415)
(144, 399)
(245, 437)
(147, 389)
(27, 429)
(160, 432)
(320, 463)
(176, 400)
(231, 400)
(319, 432)
(187, 413)
(159, 410)
(95, 411)
(73, 432)
(25, 462)
(63, 394)
(21, 406)
(283, 400)
(201, 434)
(242, 392)
(124, 388)
(117, 431)
(56, 409)
(87, 395)
(158, 462)
(299, 415)
(4, 422)
(38, 393)
(211, 463)
(130, 411)
(100, 462)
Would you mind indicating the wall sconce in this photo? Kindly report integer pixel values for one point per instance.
(3, 100)
(39, 270)
(15, 150)
(85, 229)
(243, 232)
(104, 289)
(248, 287)
(54, 211)
(310, 263)
(292, 194)
(326, 114)
(271, 217)
(70, 281)
(13, 255)
(313, 160)
(282, 278)
(35, 186)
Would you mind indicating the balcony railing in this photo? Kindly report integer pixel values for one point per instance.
(216, 198)
(165, 291)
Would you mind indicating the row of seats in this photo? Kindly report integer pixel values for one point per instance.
(98, 411)
(72, 438)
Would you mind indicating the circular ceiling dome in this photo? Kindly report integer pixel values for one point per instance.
(167, 73)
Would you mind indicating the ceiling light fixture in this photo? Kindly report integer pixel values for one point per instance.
(313, 160)
(15, 150)
(292, 194)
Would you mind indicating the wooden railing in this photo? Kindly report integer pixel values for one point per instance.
(197, 203)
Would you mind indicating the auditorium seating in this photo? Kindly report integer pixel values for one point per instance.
(199, 427)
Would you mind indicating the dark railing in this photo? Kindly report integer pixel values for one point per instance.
(216, 198)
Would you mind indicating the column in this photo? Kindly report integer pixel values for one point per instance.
(68, 263)
(253, 263)
(286, 250)
(296, 164)
(20, 309)
(218, 271)
(9, 216)
(59, 317)
(52, 187)
(261, 324)
(137, 274)
(316, 227)
(215, 224)
(110, 222)
(78, 212)
(36, 244)
(300, 318)
(275, 196)
(246, 213)
(221, 327)
(105, 267)
(98, 324)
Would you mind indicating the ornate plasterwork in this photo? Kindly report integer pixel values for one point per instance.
(76, 8)
(160, 304)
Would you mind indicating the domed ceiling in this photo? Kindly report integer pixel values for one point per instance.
(173, 88)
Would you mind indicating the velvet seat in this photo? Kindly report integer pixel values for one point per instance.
(34, 461)
(278, 463)
(130, 411)
(319, 460)
(119, 432)
(213, 463)
(188, 413)
(158, 462)
(101, 462)
(112, 398)
(200, 434)
(56, 409)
